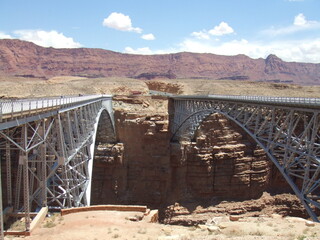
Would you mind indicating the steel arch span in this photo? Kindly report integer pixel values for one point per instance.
(288, 129)
(47, 150)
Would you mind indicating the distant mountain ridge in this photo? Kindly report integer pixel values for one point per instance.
(21, 58)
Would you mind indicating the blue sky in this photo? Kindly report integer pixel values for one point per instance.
(288, 28)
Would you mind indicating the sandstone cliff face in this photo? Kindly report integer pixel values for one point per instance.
(225, 163)
(27, 59)
(139, 171)
(109, 174)
(222, 163)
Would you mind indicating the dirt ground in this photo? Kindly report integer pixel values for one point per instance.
(17, 87)
(101, 225)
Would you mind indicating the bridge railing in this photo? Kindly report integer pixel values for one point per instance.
(298, 100)
(10, 107)
(290, 101)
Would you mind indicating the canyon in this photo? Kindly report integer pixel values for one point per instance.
(221, 171)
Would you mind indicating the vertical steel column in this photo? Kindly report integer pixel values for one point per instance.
(1, 210)
(43, 183)
(63, 156)
(8, 166)
(26, 192)
(18, 186)
(78, 140)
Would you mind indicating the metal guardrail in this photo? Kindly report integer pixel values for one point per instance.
(288, 101)
(159, 93)
(300, 100)
(13, 107)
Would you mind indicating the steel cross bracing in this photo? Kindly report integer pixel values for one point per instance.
(46, 155)
(288, 130)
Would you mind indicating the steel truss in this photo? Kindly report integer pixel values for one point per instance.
(48, 162)
(289, 135)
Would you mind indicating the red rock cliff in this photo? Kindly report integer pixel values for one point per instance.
(27, 59)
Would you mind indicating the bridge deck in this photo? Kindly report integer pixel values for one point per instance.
(13, 110)
(312, 103)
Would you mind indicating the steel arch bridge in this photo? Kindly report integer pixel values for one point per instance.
(47, 149)
(288, 129)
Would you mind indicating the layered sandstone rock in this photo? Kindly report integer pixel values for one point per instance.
(161, 86)
(221, 163)
(27, 59)
(225, 163)
(109, 174)
(143, 174)
(194, 213)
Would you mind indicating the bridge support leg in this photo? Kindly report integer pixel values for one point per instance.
(43, 178)
(26, 191)
(8, 168)
(1, 209)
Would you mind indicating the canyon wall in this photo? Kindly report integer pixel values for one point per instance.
(143, 174)
(221, 163)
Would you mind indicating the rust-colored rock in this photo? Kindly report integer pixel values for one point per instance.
(222, 163)
(22, 58)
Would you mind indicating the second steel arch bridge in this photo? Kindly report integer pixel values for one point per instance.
(288, 129)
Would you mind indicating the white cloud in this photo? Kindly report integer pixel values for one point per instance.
(149, 37)
(120, 22)
(300, 51)
(300, 20)
(222, 29)
(147, 51)
(47, 39)
(304, 50)
(201, 35)
(4, 36)
(292, 51)
(144, 50)
(224, 48)
(300, 23)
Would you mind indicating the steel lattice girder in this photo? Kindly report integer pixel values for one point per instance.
(289, 135)
(49, 159)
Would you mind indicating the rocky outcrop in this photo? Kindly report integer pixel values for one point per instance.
(27, 59)
(191, 214)
(174, 88)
